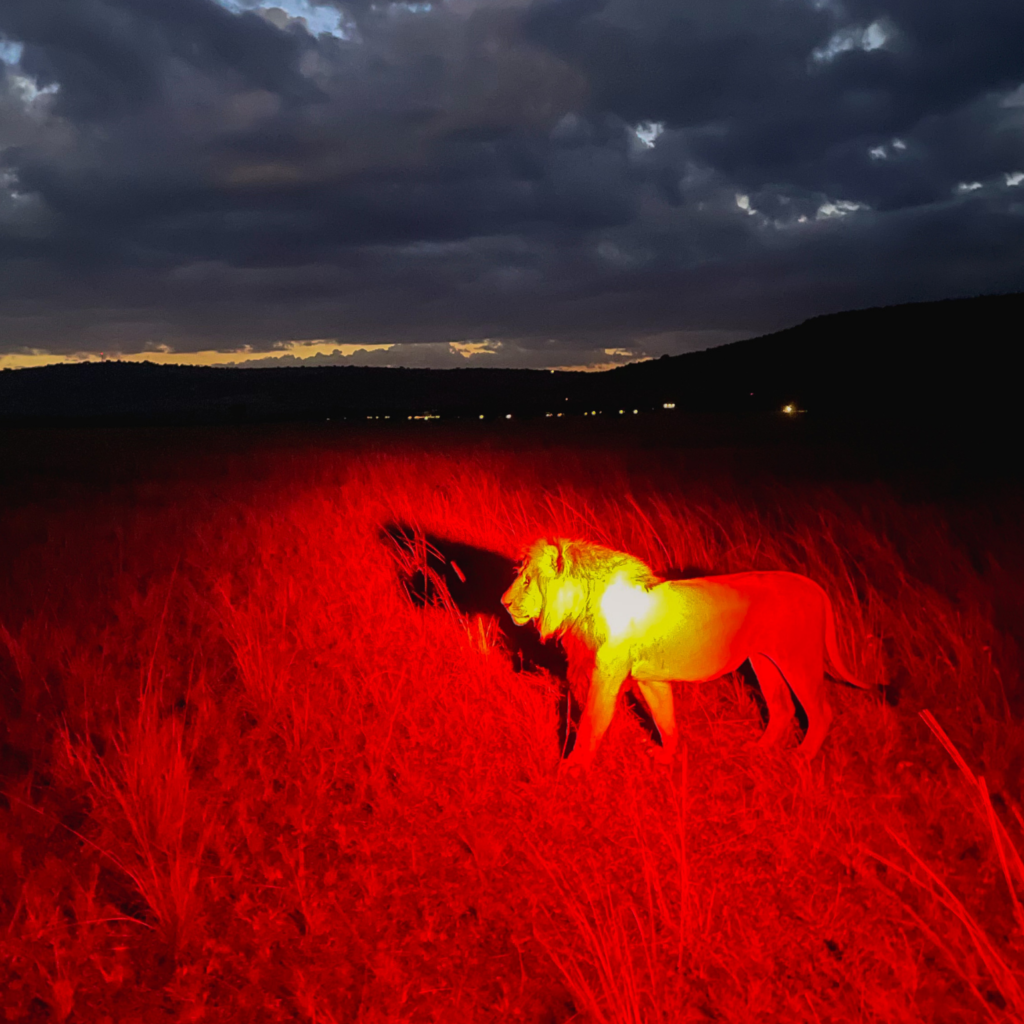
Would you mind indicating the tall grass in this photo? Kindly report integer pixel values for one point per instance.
(245, 778)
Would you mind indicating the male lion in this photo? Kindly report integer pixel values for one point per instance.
(658, 632)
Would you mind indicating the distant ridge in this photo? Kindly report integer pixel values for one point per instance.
(924, 358)
(953, 354)
(146, 391)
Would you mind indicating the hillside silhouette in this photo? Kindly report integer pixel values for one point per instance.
(926, 358)
(900, 362)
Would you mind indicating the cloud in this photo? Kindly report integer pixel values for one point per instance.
(555, 175)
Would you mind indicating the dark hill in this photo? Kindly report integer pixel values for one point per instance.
(901, 361)
(924, 358)
(118, 391)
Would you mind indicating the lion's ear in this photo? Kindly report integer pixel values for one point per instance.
(550, 560)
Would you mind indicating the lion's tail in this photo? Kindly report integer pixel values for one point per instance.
(832, 649)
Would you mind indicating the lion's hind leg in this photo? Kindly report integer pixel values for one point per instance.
(805, 673)
(776, 695)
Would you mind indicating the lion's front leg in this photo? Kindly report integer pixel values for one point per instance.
(609, 675)
(659, 699)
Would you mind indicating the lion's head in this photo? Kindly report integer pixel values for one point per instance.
(541, 565)
(560, 584)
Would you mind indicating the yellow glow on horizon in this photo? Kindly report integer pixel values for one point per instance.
(600, 367)
(592, 368)
(205, 357)
(300, 350)
(26, 360)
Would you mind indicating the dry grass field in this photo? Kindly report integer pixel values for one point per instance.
(243, 777)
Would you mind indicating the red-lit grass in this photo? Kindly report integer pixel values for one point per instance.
(247, 779)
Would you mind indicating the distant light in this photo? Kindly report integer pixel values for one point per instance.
(669, 405)
(789, 409)
(559, 414)
(549, 414)
(635, 411)
(481, 415)
(622, 412)
(508, 416)
(593, 412)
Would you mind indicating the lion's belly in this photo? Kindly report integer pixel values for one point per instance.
(703, 635)
(686, 662)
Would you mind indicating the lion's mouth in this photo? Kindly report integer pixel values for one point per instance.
(519, 620)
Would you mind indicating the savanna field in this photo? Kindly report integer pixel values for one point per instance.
(245, 776)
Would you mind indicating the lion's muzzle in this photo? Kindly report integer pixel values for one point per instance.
(509, 600)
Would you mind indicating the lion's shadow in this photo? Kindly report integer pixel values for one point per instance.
(470, 581)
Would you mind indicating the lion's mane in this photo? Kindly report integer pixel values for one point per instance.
(575, 576)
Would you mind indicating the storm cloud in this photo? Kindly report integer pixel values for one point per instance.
(563, 182)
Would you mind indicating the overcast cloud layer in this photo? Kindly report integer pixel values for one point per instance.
(556, 183)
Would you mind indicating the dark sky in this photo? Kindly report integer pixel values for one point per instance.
(555, 183)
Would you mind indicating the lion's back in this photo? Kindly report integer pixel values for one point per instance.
(760, 605)
(705, 627)
(760, 581)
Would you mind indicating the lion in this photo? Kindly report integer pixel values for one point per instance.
(656, 632)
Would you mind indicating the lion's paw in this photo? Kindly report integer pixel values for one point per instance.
(659, 754)
(573, 766)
